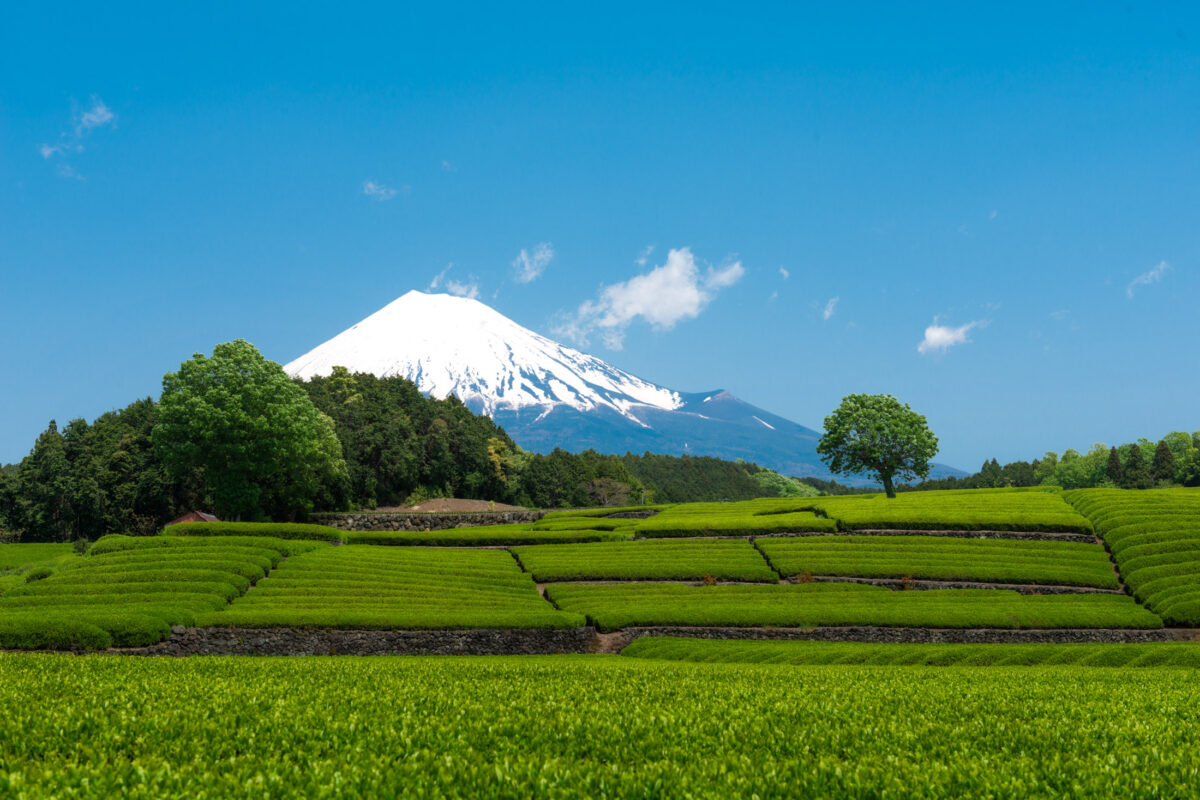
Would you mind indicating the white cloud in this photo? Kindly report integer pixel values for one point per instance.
(645, 256)
(448, 167)
(784, 273)
(378, 191)
(469, 290)
(830, 308)
(97, 116)
(665, 295)
(528, 266)
(437, 279)
(1153, 275)
(994, 214)
(67, 171)
(939, 338)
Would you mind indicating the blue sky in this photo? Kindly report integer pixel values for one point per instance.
(1015, 186)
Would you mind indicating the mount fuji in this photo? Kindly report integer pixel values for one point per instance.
(547, 395)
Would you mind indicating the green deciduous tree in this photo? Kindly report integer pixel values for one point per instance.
(877, 434)
(1189, 468)
(264, 448)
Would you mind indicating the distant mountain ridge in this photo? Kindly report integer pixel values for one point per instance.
(547, 395)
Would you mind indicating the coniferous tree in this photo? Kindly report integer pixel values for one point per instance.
(1136, 474)
(1163, 466)
(1114, 471)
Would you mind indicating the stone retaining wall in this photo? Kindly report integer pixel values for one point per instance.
(413, 521)
(302, 642)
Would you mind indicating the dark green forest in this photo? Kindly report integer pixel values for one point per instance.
(399, 447)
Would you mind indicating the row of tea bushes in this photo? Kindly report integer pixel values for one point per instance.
(1154, 536)
(615, 606)
(741, 651)
(648, 559)
(129, 591)
(357, 587)
(944, 558)
(1038, 509)
(487, 536)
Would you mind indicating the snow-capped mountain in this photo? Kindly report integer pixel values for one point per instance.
(455, 345)
(547, 395)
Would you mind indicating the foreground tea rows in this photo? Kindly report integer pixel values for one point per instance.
(586, 727)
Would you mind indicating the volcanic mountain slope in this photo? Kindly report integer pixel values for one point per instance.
(547, 395)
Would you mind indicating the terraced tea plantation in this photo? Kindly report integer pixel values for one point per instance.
(612, 607)
(1034, 509)
(129, 592)
(361, 587)
(674, 715)
(944, 558)
(650, 559)
(1002, 559)
(1154, 535)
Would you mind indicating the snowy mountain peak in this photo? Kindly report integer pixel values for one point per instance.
(456, 345)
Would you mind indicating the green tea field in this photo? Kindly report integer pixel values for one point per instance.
(1120, 564)
(588, 727)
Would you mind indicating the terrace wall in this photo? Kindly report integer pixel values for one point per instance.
(411, 521)
(303, 642)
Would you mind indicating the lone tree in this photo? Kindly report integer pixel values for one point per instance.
(876, 433)
(263, 447)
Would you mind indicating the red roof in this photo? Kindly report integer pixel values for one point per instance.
(194, 516)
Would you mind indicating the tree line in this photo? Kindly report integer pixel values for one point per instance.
(234, 434)
(1173, 460)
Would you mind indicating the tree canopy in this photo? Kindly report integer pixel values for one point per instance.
(877, 434)
(264, 448)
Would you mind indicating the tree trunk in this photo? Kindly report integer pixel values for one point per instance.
(888, 486)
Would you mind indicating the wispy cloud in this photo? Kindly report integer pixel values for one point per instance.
(97, 115)
(528, 266)
(784, 273)
(468, 288)
(830, 308)
(665, 295)
(378, 191)
(645, 256)
(940, 338)
(448, 167)
(1152, 275)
